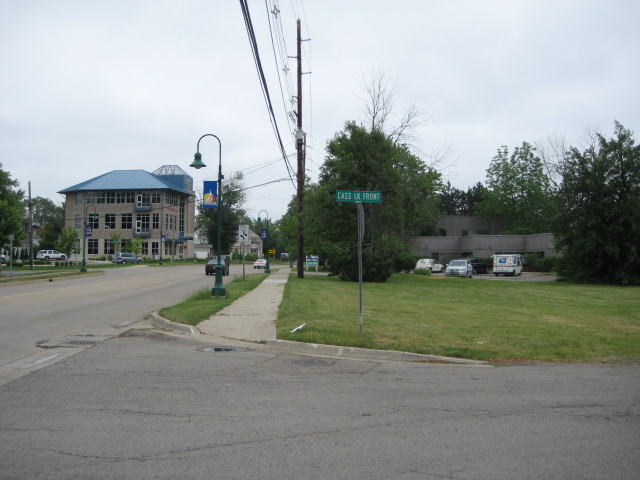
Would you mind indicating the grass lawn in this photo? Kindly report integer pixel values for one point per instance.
(201, 305)
(499, 321)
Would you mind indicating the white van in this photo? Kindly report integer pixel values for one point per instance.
(508, 264)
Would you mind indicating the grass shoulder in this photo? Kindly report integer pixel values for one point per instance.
(201, 305)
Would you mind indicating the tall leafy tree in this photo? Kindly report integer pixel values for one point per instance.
(358, 159)
(598, 227)
(519, 190)
(50, 217)
(11, 209)
(453, 201)
(233, 198)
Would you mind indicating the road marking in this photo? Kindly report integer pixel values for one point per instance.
(41, 361)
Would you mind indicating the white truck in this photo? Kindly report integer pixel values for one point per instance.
(507, 264)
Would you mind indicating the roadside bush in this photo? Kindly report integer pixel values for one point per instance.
(423, 271)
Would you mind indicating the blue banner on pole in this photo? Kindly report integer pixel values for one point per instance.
(210, 194)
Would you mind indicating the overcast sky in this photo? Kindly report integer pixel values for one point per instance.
(90, 86)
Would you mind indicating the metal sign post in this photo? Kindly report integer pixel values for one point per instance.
(243, 238)
(358, 197)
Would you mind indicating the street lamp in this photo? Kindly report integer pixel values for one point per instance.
(83, 267)
(266, 237)
(218, 289)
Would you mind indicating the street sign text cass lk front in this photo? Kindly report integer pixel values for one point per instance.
(353, 196)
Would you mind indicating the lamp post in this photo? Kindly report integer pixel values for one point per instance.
(83, 267)
(218, 289)
(266, 270)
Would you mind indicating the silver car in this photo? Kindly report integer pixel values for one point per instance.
(127, 257)
(459, 268)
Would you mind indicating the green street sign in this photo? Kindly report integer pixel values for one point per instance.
(355, 196)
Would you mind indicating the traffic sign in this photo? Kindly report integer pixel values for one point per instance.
(243, 233)
(355, 196)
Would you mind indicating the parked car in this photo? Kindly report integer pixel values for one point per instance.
(459, 268)
(127, 257)
(478, 265)
(429, 264)
(210, 267)
(50, 255)
(260, 263)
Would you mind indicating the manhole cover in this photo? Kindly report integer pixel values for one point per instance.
(221, 349)
(310, 362)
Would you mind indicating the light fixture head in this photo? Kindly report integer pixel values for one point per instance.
(197, 162)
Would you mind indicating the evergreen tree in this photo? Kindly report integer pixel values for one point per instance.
(598, 228)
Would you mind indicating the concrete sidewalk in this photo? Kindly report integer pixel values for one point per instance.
(253, 316)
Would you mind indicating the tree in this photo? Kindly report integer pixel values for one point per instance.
(233, 198)
(50, 217)
(370, 161)
(135, 246)
(67, 241)
(11, 208)
(453, 201)
(598, 227)
(519, 191)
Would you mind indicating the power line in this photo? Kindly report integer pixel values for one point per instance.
(263, 83)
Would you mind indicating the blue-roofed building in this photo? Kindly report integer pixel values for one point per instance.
(157, 207)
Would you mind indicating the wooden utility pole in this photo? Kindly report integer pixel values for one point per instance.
(301, 168)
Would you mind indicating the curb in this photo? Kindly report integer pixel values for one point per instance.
(162, 322)
(331, 350)
(369, 354)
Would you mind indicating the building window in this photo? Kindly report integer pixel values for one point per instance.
(101, 197)
(181, 224)
(142, 223)
(92, 246)
(110, 221)
(111, 197)
(156, 221)
(108, 247)
(120, 197)
(127, 221)
(145, 248)
(172, 198)
(77, 222)
(125, 245)
(154, 248)
(156, 198)
(79, 198)
(131, 197)
(91, 198)
(94, 222)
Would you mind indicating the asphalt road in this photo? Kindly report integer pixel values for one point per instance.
(150, 406)
(102, 304)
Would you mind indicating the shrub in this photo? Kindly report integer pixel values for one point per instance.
(423, 271)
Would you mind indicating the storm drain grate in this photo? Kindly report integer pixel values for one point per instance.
(73, 341)
(221, 349)
(81, 342)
